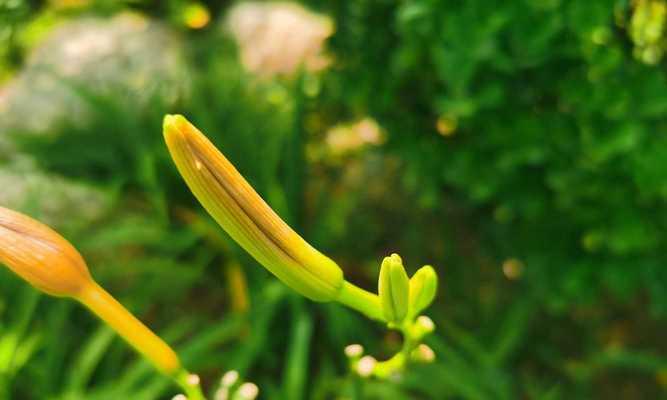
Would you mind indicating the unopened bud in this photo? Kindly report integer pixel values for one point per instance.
(422, 327)
(423, 286)
(423, 353)
(248, 391)
(393, 288)
(354, 350)
(366, 366)
(41, 256)
(193, 380)
(50, 263)
(229, 378)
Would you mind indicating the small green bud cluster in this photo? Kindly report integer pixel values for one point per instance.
(402, 298)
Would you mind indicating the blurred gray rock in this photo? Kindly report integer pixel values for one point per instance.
(54, 200)
(127, 57)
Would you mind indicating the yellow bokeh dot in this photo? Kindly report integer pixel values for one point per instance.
(446, 125)
(661, 377)
(196, 16)
(513, 268)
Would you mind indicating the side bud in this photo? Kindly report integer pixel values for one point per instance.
(246, 217)
(423, 286)
(394, 288)
(41, 256)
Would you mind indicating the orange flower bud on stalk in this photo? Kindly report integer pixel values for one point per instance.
(51, 264)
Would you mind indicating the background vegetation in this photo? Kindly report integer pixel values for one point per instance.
(523, 154)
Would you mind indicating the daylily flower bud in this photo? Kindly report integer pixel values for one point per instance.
(393, 288)
(246, 217)
(41, 256)
(423, 286)
(51, 264)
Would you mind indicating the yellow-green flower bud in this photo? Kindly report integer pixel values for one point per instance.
(423, 286)
(393, 288)
(246, 217)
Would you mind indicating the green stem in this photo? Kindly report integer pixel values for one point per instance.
(396, 364)
(192, 391)
(357, 387)
(4, 387)
(361, 300)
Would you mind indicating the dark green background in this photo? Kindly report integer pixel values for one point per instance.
(558, 160)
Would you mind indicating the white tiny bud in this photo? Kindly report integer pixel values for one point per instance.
(354, 350)
(229, 378)
(248, 391)
(424, 353)
(179, 397)
(426, 323)
(193, 380)
(366, 366)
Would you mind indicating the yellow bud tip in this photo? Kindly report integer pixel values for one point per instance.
(172, 125)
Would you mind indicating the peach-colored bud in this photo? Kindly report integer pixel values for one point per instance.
(41, 256)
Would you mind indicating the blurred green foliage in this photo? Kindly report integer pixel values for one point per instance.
(525, 159)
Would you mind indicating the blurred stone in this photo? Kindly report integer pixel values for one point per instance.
(347, 139)
(53, 200)
(278, 38)
(126, 57)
